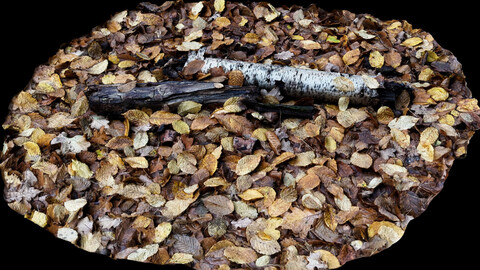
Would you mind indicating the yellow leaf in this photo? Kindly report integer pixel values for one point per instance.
(187, 107)
(209, 162)
(126, 64)
(351, 57)
(219, 5)
(426, 74)
(25, 102)
(39, 218)
(137, 162)
(45, 87)
(426, 151)
(251, 194)
(385, 115)
(33, 150)
(259, 134)
(80, 169)
(438, 93)
(181, 127)
(251, 38)
(376, 59)
(243, 21)
(412, 42)
(162, 231)
(181, 258)
(222, 22)
(429, 135)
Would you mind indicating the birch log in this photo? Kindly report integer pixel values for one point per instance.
(299, 82)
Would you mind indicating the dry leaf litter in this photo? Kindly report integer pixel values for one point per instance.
(229, 187)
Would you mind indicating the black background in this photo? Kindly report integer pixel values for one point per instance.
(445, 236)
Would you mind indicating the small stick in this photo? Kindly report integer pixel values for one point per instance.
(299, 82)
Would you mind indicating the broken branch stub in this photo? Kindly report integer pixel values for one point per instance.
(299, 82)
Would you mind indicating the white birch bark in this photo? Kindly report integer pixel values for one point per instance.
(299, 82)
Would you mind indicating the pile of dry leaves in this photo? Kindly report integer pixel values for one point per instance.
(220, 187)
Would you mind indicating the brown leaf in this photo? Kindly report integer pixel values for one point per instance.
(219, 205)
(193, 67)
(119, 142)
(201, 122)
(240, 255)
(309, 181)
(274, 142)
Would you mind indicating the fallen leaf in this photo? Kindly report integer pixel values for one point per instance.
(361, 160)
(438, 93)
(75, 205)
(189, 46)
(219, 5)
(278, 208)
(404, 122)
(181, 127)
(99, 68)
(411, 42)
(247, 164)
(119, 142)
(137, 117)
(303, 159)
(163, 118)
(137, 162)
(240, 255)
(386, 230)
(309, 45)
(180, 258)
(251, 194)
(218, 205)
(376, 59)
(343, 84)
(80, 169)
